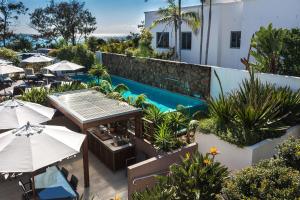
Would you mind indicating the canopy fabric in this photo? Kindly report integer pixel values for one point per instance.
(64, 66)
(34, 147)
(2, 61)
(16, 113)
(9, 69)
(37, 59)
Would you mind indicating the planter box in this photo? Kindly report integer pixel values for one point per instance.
(235, 157)
(142, 175)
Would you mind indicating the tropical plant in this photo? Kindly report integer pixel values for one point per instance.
(78, 54)
(8, 54)
(164, 138)
(268, 180)
(155, 115)
(69, 87)
(208, 31)
(197, 177)
(256, 111)
(176, 121)
(113, 92)
(172, 15)
(36, 95)
(144, 49)
(140, 101)
(289, 152)
(267, 46)
(10, 12)
(291, 53)
(100, 72)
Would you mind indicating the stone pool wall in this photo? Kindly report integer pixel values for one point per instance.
(188, 79)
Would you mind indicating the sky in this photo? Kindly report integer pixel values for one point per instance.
(113, 16)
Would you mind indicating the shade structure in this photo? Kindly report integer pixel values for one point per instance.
(37, 59)
(2, 61)
(16, 113)
(9, 69)
(64, 66)
(33, 147)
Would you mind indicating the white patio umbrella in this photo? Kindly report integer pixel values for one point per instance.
(37, 59)
(16, 113)
(9, 69)
(64, 66)
(2, 61)
(33, 147)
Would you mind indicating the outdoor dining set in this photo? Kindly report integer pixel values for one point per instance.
(30, 147)
(44, 75)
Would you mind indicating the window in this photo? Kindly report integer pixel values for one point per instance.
(162, 40)
(186, 40)
(235, 40)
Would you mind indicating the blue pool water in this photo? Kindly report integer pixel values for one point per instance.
(165, 100)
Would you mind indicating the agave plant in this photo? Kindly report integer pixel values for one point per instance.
(164, 138)
(176, 121)
(155, 115)
(256, 111)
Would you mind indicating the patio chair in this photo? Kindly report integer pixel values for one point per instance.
(29, 74)
(65, 172)
(27, 189)
(19, 90)
(74, 182)
(55, 85)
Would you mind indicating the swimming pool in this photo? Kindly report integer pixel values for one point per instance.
(165, 100)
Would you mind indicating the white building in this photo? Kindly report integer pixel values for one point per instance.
(233, 24)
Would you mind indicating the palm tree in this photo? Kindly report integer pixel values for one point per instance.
(208, 32)
(202, 26)
(99, 71)
(172, 15)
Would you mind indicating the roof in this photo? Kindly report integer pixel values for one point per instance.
(90, 106)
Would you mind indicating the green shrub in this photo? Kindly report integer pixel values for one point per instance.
(268, 180)
(69, 87)
(254, 112)
(36, 95)
(289, 152)
(8, 54)
(198, 177)
(164, 138)
(78, 54)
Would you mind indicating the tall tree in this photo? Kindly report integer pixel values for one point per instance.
(65, 19)
(179, 29)
(208, 31)
(172, 15)
(9, 12)
(202, 31)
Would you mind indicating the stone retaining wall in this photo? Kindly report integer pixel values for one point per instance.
(188, 79)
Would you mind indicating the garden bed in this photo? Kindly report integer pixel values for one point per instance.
(235, 157)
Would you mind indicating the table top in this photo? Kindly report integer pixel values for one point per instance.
(53, 185)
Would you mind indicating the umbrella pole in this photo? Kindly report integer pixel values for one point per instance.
(33, 187)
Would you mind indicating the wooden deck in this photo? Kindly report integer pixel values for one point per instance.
(104, 184)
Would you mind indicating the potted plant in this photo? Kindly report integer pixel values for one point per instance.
(248, 123)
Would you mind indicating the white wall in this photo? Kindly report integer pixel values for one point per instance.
(232, 78)
(246, 16)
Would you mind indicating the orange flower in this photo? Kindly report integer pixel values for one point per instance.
(207, 162)
(213, 151)
(117, 197)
